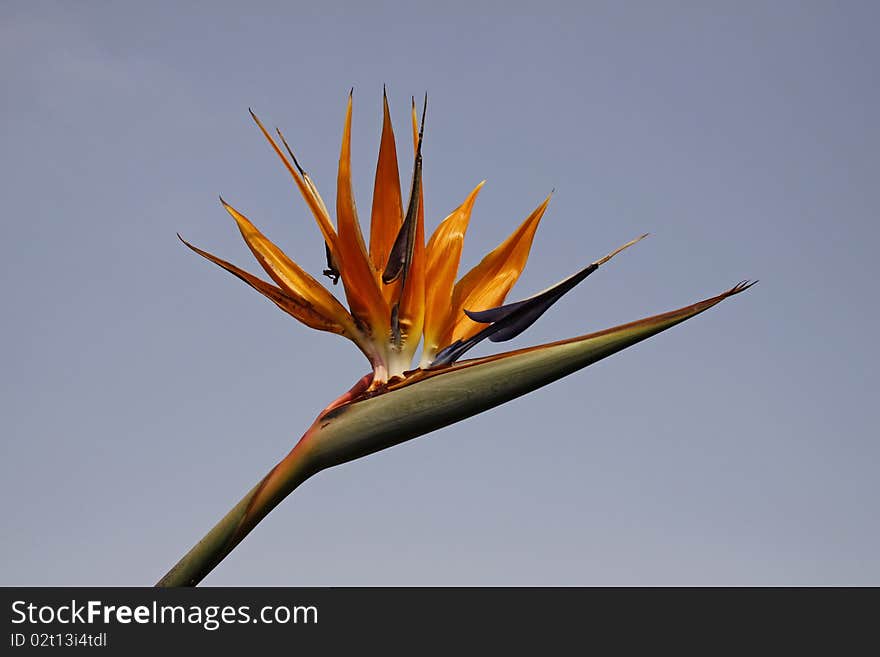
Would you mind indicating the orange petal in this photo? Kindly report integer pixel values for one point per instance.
(332, 270)
(411, 310)
(444, 255)
(486, 285)
(288, 275)
(387, 213)
(292, 304)
(360, 279)
(306, 188)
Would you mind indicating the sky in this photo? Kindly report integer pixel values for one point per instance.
(144, 391)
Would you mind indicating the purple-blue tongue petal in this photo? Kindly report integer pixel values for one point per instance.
(508, 321)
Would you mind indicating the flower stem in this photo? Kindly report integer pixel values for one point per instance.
(294, 469)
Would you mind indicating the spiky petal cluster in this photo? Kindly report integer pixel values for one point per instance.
(399, 290)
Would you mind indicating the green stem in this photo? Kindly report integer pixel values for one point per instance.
(192, 568)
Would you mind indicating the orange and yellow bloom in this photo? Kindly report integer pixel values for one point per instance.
(400, 291)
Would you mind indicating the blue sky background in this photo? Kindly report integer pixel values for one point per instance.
(144, 390)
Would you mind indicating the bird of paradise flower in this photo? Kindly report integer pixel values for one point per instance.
(401, 292)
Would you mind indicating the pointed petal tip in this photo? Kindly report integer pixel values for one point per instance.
(603, 260)
(255, 117)
(191, 246)
(235, 214)
(472, 196)
(742, 286)
(226, 206)
(421, 124)
(290, 152)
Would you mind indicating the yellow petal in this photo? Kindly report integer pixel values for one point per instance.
(387, 212)
(288, 275)
(486, 285)
(360, 279)
(444, 255)
(293, 305)
(306, 188)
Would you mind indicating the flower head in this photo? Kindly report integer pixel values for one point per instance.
(400, 291)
